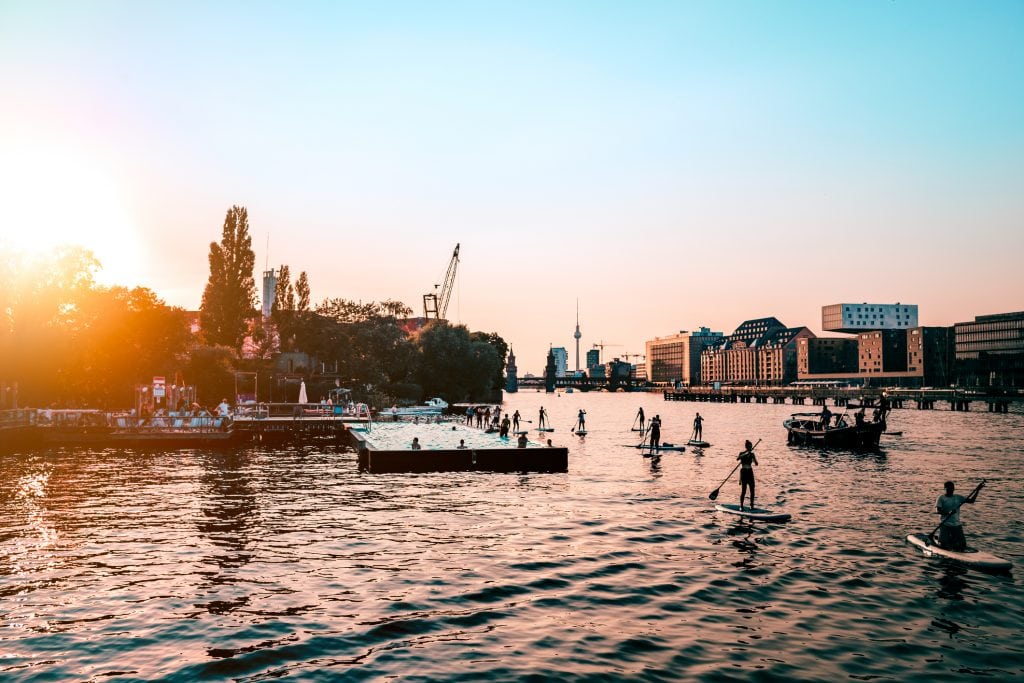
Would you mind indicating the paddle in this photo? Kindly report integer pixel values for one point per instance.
(970, 498)
(714, 494)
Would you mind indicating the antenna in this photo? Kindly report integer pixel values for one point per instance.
(266, 263)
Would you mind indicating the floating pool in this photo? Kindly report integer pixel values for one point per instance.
(387, 436)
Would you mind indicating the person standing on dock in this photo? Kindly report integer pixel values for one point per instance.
(505, 424)
(515, 421)
(581, 420)
(469, 416)
(698, 428)
(747, 461)
(542, 418)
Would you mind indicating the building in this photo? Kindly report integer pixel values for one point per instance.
(511, 380)
(990, 350)
(825, 355)
(269, 291)
(676, 359)
(760, 351)
(593, 358)
(930, 355)
(882, 351)
(864, 317)
(920, 356)
(561, 360)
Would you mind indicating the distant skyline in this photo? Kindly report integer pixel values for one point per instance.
(669, 165)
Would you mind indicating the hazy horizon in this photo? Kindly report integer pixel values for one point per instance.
(669, 166)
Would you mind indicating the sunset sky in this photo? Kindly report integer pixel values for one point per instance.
(669, 164)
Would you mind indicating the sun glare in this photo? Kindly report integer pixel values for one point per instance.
(56, 198)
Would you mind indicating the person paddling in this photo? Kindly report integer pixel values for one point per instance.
(542, 418)
(698, 427)
(640, 416)
(515, 421)
(951, 531)
(655, 432)
(581, 420)
(747, 461)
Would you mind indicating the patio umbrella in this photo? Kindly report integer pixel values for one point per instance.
(302, 392)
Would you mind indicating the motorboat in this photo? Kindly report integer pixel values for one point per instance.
(807, 429)
(429, 408)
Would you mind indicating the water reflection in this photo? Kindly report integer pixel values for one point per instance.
(230, 521)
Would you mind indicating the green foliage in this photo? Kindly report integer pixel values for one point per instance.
(454, 366)
(229, 298)
(67, 341)
(500, 348)
(212, 370)
(302, 290)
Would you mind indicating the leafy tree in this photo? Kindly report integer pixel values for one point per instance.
(500, 348)
(454, 366)
(212, 370)
(229, 298)
(302, 289)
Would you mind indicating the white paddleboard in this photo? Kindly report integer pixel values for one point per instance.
(972, 558)
(754, 513)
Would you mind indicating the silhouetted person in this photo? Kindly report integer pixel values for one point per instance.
(698, 427)
(747, 461)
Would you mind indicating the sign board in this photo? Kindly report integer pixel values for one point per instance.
(158, 380)
(158, 391)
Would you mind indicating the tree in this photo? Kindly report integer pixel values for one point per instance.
(452, 365)
(212, 370)
(500, 347)
(302, 289)
(229, 299)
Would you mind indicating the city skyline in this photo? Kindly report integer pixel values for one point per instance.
(671, 166)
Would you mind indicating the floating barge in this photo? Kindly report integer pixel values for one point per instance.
(387, 447)
(281, 422)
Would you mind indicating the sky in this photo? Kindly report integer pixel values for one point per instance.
(666, 164)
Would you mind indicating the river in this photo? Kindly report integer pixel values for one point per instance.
(290, 564)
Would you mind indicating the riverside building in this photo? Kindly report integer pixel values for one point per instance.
(760, 351)
(863, 317)
(990, 350)
(675, 359)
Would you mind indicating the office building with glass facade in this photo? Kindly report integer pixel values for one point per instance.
(990, 350)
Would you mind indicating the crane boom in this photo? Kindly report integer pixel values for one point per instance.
(435, 305)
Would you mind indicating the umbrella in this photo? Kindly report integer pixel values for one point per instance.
(302, 392)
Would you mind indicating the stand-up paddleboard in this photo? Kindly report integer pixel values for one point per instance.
(545, 429)
(581, 432)
(971, 558)
(634, 429)
(698, 444)
(893, 433)
(521, 431)
(754, 513)
(663, 447)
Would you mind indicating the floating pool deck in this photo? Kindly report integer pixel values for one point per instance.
(387, 447)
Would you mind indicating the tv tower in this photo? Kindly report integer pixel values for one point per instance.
(577, 335)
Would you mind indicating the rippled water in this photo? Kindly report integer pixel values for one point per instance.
(291, 564)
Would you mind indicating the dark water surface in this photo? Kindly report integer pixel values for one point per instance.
(290, 564)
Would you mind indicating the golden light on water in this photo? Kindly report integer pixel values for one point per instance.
(56, 197)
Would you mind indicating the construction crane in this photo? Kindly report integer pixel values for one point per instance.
(627, 356)
(600, 345)
(435, 304)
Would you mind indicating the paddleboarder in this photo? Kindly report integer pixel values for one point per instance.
(640, 416)
(581, 420)
(747, 461)
(698, 427)
(515, 421)
(951, 531)
(655, 432)
(542, 418)
(503, 433)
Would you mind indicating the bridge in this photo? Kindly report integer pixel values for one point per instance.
(585, 383)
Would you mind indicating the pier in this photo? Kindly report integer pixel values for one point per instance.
(923, 399)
